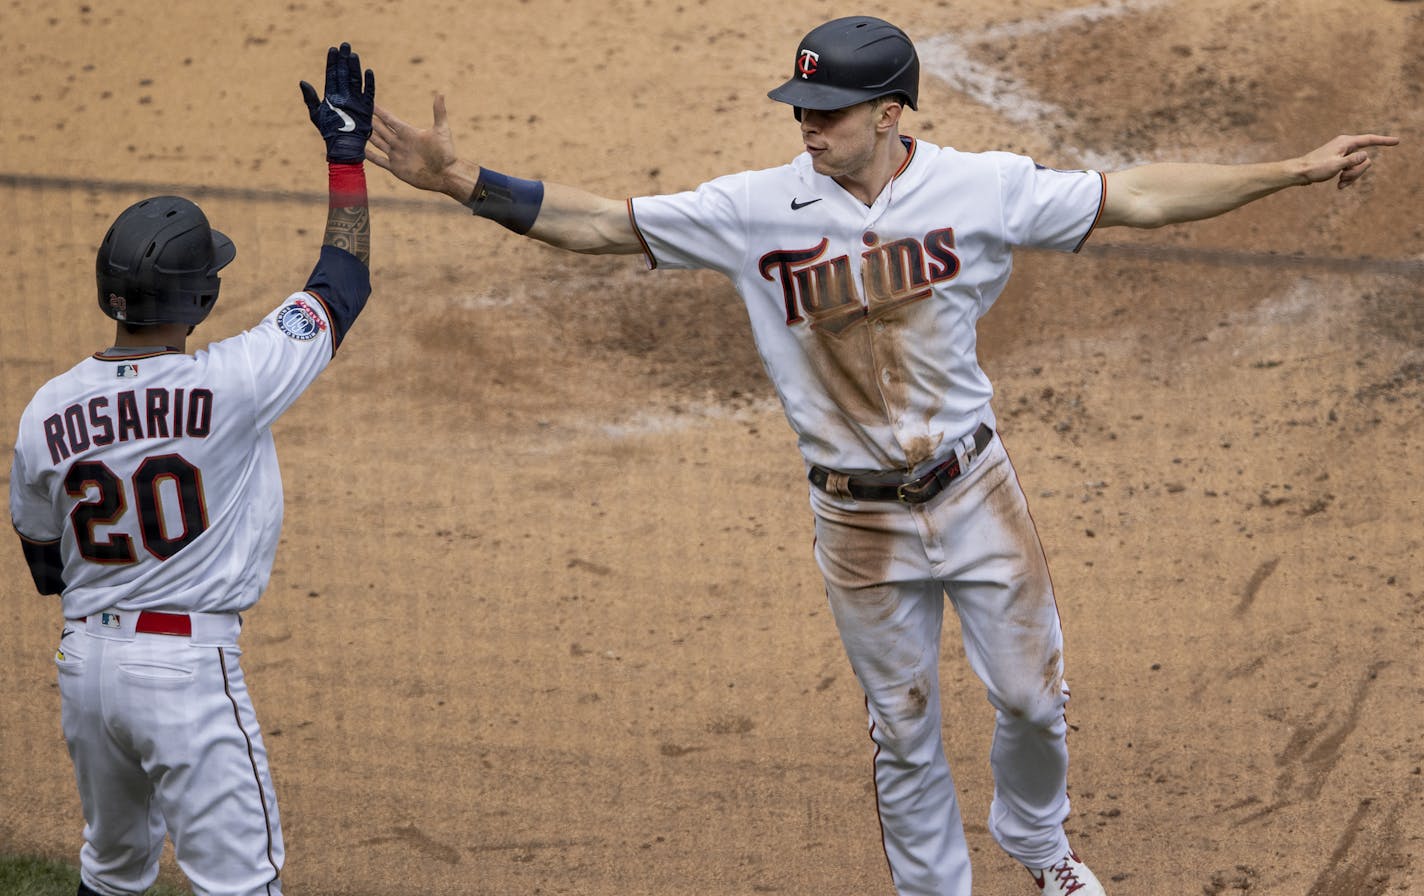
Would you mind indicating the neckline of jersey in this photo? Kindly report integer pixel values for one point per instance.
(910, 144)
(133, 353)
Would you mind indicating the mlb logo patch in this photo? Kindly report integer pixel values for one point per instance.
(110, 620)
(128, 371)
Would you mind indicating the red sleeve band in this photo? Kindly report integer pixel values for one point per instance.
(348, 184)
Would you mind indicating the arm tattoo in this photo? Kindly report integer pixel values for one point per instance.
(350, 229)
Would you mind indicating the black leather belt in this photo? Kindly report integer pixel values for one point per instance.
(894, 486)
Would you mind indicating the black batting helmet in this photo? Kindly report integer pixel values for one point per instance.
(159, 263)
(851, 60)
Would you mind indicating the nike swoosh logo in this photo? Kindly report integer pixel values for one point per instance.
(347, 123)
(797, 206)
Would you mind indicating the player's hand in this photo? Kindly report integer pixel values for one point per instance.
(1345, 156)
(422, 157)
(343, 116)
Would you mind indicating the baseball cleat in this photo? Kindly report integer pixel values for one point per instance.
(1067, 876)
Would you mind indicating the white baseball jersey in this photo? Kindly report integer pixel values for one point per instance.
(865, 317)
(157, 474)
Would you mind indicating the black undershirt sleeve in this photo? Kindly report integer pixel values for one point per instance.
(46, 564)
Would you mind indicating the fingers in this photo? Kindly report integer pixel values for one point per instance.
(1346, 158)
(386, 131)
(1354, 172)
(381, 134)
(392, 124)
(333, 70)
(1356, 160)
(1363, 140)
(353, 66)
(309, 97)
(1353, 148)
(377, 159)
(385, 125)
(404, 149)
(384, 117)
(389, 118)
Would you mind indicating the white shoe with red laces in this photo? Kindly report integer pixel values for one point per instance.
(1067, 876)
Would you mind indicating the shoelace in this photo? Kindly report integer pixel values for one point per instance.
(1064, 874)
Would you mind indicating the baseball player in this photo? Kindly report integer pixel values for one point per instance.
(864, 264)
(146, 493)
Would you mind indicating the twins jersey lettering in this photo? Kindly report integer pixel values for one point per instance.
(833, 287)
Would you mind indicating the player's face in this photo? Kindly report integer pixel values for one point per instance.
(841, 141)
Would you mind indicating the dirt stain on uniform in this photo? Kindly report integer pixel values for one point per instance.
(1005, 502)
(845, 366)
(922, 448)
(919, 699)
(1053, 673)
(857, 551)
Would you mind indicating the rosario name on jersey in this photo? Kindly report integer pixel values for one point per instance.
(865, 316)
(157, 474)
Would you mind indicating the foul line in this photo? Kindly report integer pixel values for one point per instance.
(1171, 254)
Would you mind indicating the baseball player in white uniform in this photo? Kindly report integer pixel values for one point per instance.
(864, 265)
(146, 493)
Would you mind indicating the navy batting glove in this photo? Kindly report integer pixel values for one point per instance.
(344, 116)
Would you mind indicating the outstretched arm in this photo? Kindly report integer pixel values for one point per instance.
(1168, 193)
(562, 216)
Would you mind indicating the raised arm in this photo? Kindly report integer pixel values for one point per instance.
(561, 216)
(1171, 193)
(342, 276)
(343, 118)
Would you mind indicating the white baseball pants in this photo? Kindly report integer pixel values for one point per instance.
(164, 741)
(888, 568)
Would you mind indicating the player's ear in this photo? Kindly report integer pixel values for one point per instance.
(889, 109)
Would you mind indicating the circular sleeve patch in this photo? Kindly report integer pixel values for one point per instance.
(299, 321)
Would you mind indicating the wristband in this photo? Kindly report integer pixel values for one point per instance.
(508, 201)
(347, 181)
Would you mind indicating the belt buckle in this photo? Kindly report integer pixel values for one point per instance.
(918, 486)
(915, 492)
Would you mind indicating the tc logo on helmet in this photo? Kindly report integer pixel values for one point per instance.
(806, 62)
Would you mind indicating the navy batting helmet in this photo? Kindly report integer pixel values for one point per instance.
(851, 60)
(159, 263)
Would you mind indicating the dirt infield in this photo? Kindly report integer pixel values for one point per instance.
(545, 617)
